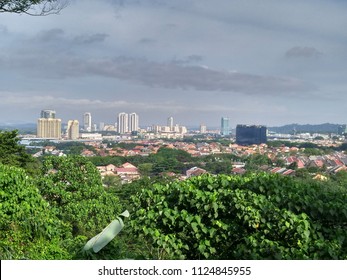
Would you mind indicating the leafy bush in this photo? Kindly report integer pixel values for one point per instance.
(258, 216)
(28, 227)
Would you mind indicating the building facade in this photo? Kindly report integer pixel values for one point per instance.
(203, 128)
(250, 134)
(48, 126)
(225, 127)
(48, 114)
(133, 122)
(170, 123)
(73, 128)
(87, 122)
(122, 123)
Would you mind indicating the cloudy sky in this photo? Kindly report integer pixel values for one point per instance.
(264, 62)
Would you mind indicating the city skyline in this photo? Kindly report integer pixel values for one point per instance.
(272, 63)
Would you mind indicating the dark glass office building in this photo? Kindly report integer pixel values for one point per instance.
(250, 134)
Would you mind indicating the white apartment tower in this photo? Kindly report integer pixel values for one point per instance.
(48, 126)
(87, 121)
(73, 129)
(203, 128)
(133, 122)
(122, 121)
(170, 123)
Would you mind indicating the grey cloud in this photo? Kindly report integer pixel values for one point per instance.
(123, 3)
(3, 29)
(168, 75)
(57, 35)
(189, 59)
(305, 52)
(170, 25)
(88, 39)
(146, 41)
(174, 76)
(195, 58)
(50, 35)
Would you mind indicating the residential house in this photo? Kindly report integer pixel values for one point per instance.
(195, 171)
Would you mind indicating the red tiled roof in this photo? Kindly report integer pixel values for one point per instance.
(126, 170)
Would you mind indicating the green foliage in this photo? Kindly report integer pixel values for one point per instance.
(125, 191)
(169, 160)
(145, 168)
(253, 162)
(28, 227)
(11, 153)
(314, 152)
(126, 146)
(73, 187)
(177, 154)
(111, 181)
(340, 177)
(71, 148)
(258, 216)
(219, 167)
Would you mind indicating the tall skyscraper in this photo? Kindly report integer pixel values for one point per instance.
(170, 123)
(133, 122)
(87, 121)
(122, 123)
(250, 134)
(225, 129)
(48, 126)
(73, 129)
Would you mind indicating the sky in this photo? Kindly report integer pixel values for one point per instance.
(265, 62)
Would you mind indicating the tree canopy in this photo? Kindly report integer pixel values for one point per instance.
(73, 187)
(11, 153)
(32, 7)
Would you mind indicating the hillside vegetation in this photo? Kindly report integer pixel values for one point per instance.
(50, 210)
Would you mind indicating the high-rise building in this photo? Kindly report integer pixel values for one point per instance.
(48, 114)
(73, 129)
(94, 127)
(170, 123)
(133, 122)
(225, 128)
(101, 126)
(87, 122)
(48, 126)
(250, 134)
(203, 128)
(122, 120)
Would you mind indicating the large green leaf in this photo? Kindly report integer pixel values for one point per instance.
(108, 233)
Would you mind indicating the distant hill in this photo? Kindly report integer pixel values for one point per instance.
(23, 128)
(304, 128)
